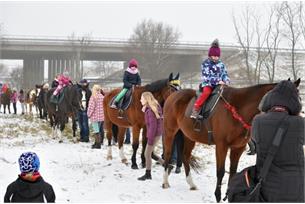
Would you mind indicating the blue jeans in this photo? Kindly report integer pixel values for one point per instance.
(83, 125)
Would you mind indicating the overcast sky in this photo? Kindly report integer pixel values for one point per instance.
(197, 21)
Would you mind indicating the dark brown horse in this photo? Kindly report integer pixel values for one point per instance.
(67, 107)
(134, 117)
(228, 132)
(6, 100)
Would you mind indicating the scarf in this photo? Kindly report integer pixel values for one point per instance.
(132, 71)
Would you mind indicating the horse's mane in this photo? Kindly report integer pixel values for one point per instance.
(239, 95)
(156, 85)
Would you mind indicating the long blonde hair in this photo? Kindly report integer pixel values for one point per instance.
(96, 89)
(151, 102)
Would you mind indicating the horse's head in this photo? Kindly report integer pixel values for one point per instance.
(75, 96)
(161, 89)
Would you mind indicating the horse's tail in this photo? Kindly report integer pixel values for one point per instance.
(195, 164)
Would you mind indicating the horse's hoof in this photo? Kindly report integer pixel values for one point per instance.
(60, 141)
(134, 166)
(218, 195)
(109, 157)
(194, 188)
(165, 185)
(124, 161)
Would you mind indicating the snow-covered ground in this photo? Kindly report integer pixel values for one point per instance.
(81, 174)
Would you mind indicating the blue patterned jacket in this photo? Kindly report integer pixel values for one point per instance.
(212, 73)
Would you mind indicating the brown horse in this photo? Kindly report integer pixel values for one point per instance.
(134, 117)
(30, 100)
(228, 132)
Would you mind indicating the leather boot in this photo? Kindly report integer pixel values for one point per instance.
(147, 175)
(97, 143)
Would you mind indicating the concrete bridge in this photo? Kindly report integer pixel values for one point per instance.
(62, 53)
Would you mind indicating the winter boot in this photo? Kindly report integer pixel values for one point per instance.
(178, 170)
(114, 105)
(147, 175)
(195, 113)
(97, 143)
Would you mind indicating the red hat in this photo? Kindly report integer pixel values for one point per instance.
(214, 49)
(133, 63)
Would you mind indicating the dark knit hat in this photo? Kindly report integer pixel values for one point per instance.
(83, 82)
(283, 94)
(214, 49)
(29, 162)
(133, 63)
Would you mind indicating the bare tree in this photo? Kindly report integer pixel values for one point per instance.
(272, 41)
(261, 36)
(150, 44)
(17, 77)
(104, 68)
(78, 46)
(302, 20)
(291, 32)
(244, 34)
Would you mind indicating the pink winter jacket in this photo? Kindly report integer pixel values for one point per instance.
(14, 97)
(95, 108)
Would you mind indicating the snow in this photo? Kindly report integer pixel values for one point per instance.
(81, 174)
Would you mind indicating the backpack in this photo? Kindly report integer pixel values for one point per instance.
(245, 187)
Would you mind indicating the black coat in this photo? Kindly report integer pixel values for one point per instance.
(285, 179)
(23, 191)
(54, 84)
(131, 79)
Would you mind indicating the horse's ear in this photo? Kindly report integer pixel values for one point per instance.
(177, 76)
(297, 82)
(170, 76)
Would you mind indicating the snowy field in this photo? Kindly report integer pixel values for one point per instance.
(80, 174)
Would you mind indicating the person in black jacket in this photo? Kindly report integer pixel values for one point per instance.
(29, 187)
(285, 179)
(131, 78)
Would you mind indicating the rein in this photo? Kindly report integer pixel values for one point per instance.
(235, 114)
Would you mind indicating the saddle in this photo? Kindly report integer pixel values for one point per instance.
(124, 103)
(208, 106)
(205, 111)
(59, 97)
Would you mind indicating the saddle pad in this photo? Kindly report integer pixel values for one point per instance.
(125, 101)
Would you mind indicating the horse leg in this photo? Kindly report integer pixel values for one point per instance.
(187, 154)
(108, 135)
(9, 108)
(168, 139)
(221, 153)
(235, 154)
(121, 134)
(62, 127)
(144, 143)
(135, 146)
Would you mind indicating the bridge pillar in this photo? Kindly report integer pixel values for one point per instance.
(33, 72)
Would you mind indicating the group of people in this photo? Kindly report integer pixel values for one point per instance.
(285, 181)
(13, 96)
